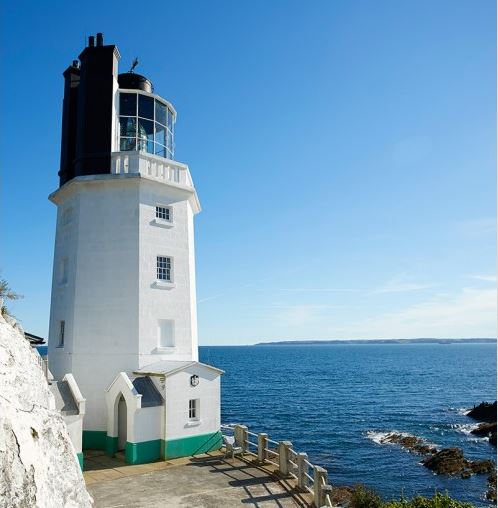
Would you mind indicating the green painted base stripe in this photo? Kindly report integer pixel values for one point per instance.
(111, 445)
(80, 459)
(141, 453)
(94, 439)
(192, 445)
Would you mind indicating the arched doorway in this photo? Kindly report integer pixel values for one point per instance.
(122, 423)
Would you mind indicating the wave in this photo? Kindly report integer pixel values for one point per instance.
(382, 438)
(460, 410)
(464, 428)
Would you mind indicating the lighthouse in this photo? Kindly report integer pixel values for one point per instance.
(123, 317)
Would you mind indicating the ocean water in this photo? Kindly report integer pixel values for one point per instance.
(334, 402)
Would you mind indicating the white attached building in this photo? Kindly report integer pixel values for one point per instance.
(123, 315)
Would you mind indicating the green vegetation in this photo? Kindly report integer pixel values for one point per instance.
(365, 498)
(6, 294)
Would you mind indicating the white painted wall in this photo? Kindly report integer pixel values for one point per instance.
(110, 304)
(148, 424)
(74, 424)
(178, 394)
(176, 304)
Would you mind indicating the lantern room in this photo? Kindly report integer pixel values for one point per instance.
(146, 121)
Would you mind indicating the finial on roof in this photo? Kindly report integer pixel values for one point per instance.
(133, 65)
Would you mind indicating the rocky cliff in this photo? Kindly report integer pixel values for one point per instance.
(38, 464)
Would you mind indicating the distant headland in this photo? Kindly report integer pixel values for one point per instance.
(476, 340)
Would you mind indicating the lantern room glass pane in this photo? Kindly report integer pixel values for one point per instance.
(146, 135)
(160, 150)
(161, 113)
(128, 126)
(170, 120)
(128, 104)
(146, 107)
(160, 134)
(127, 144)
(145, 129)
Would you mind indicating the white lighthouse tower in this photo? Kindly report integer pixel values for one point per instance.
(123, 314)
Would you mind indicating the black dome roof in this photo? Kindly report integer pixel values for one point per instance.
(135, 82)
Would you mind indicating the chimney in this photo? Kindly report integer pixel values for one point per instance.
(100, 39)
(91, 41)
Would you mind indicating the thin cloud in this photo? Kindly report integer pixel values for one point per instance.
(483, 226)
(319, 290)
(401, 284)
(487, 278)
(468, 313)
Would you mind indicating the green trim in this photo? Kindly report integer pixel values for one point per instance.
(111, 445)
(191, 445)
(94, 439)
(141, 453)
(80, 459)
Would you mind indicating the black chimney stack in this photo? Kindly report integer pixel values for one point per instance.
(88, 111)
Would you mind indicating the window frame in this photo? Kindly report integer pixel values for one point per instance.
(168, 259)
(194, 411)
(62, 333)
(167, 208)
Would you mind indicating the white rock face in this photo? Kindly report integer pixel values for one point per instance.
(38, 464)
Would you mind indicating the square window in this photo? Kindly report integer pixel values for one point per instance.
(163, 212)
(193, 409)
(164, 268)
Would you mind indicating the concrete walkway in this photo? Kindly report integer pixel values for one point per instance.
(207, 481)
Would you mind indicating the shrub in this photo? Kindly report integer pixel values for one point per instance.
(362, 497)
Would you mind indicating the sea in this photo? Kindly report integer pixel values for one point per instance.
(335, 402)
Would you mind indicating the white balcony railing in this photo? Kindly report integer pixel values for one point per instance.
(151, 165)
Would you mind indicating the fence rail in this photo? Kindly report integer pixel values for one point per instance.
(290, 463)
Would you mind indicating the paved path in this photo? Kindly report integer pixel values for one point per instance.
(204, 481)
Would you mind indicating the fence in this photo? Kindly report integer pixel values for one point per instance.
(290, 464)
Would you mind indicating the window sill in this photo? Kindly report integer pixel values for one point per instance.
(162, 223)
(193, 423)
(165, 350)
(162, 284)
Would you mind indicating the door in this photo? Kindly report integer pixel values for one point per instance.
(122, 424)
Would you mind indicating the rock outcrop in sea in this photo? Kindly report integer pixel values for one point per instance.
(448, 461)
(38, 464)
(485, 412)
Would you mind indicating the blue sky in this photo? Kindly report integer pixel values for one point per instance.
(344, 153)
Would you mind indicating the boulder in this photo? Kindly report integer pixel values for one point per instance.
(484, 412)
(38, 463)
(486, 430)
(451, 461)
(413, 444)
